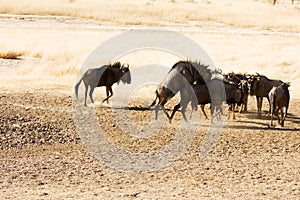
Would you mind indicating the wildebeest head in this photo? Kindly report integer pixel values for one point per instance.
(243, 85)
(126, 76)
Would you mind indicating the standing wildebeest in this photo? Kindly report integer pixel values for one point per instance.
(180, 78)
(106, 75)
(242, 81)
(234, 95)
(279, 98)
(244, 86)
(215, 92)
(260, 86)
(205, 93)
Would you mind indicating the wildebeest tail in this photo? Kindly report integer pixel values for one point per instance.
(77, 86)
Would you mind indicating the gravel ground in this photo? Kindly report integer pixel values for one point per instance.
(43, 157)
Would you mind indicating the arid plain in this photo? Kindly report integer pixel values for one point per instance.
(42, 48)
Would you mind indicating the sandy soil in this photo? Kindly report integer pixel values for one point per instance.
(43, 157)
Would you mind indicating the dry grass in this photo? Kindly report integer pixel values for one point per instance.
(53, 56)
(11, 54)
(246, 13)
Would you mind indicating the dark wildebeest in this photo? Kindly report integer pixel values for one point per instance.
(180, 78)
(244, 86)
(214, 92)
(279, 98)
(106, 75)
(260, 86)
(242, 81)
(234, 95)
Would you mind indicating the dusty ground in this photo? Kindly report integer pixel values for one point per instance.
(43, 157)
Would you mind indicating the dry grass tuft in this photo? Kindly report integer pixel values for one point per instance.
(11, 54)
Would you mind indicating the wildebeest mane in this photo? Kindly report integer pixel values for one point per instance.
(116, 64)
(195, 68)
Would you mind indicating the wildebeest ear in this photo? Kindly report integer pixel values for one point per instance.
(257, 74)
(288, 84)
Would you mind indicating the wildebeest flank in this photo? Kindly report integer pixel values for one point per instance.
(212, 92)
(260, 86)
(106, 75)
(180, 78)
(279, 98)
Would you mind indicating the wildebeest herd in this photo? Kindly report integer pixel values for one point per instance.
(199, 85)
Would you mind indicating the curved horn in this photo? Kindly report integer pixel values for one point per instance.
(257, 74)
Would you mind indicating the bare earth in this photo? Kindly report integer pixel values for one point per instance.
(42, 156)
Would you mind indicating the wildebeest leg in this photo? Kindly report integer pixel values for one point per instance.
(259, 105)
(174, 111)
(272, 114)
(220, 111)
(233, 114)
(108, 89)
(281, 117)
(285, 114)
(183, 112)
(216, 111)
(229, 109)
(156, 111)
(160, 106)
(277, 114)
(245, 104)
(85, 93)
(164, 110)
(269, 107)
(91, 94)
(212, 109)
(203, 111)
(241, 108)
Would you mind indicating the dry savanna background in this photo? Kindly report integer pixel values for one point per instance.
(42, 48)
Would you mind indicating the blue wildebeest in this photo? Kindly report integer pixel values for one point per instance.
(106, 76)
(179, 79)
(244, 86)
(260, 86)
(279, 98)
(214, 92)
(242, 81)
(234, 95)
(202, 92)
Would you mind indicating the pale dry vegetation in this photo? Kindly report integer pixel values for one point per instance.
(247, 13)
(11, 54)
(54, 55)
